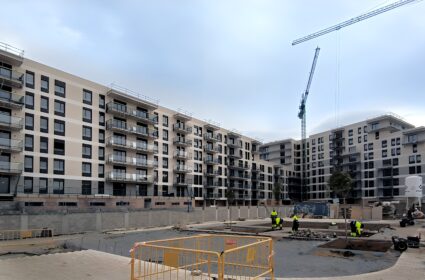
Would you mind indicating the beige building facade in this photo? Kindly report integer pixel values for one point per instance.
(67, 141)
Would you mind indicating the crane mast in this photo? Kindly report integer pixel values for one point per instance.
(302, 116)
(354, 20)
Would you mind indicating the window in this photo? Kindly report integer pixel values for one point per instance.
(44, 124)
(44, 104)
(165, 120)
(87, 115)
(29, 100)
(86, 169)
(350, 141)
(165, 149)
(418, 158)
(43, 165)
(86, 187)
(28, 163)
(28, 185)
(86, 151)
(44, 145)
(165, 163)
(165, 176)
(359, 139)
(58, 186)
(42, 185)
(87, 96)
(101, 118)
(59, 166)
(59, 147)
(412, 138)
(100, 187)
(59, 127)
(29, 142)
(412, 169)
(44, 87)
(393, 142)
(350, 133)
(101, 153)
(60, 108)
(29, 79)
(414, 148)
(87, 131)
(101, 136)
(411, 159)
(29, 121)
(101, 101)
(384, 153)
(165, 134)
(101, 170)
(60, 88)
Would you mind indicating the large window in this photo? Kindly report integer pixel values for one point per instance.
(101, 170)
(87, 133)
(44, 166)
(101, 119)
(58, 186)
(59, 147)
(101, 153)
(29, 142)
(60, 88)
(28, 163)
(102, 101)
(101, 136)
(86, 187)
(100, 187)
(44, 124)
(86, 153)
(42, 186)
(60, 108)
(44, 86)
(29, 121)
(86, 169)
(87, 97)
(44, 145)
(44, 104)
(87, 115)
(29, 100)
(59, 127)
(28, 185)
(29, 79)
(59, 166)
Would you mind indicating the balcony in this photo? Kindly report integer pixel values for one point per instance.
(211, 161)
(10, 168)
(236, 156)
(11, 100)
(212, 173)
(131, 145)
(233, 144)
(213, 196)
(11, 55)
(237, 176)
(182, 142)
(132, 161)
(239, 166)
(212, 149)
(128, 95)
(9, 122)
(182, 169)
(129, 178)
(212, 184)
(255, 169)
(10, 145)
(144, 132)
(11, 78)
(116, 125)
(126, 111)
(182, 182)
(182, 128)
(211, 137)
(182, 155)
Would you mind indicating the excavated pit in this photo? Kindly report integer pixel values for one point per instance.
(358, 244)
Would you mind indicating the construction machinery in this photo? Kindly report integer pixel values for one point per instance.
(354, 20)
(302, 116)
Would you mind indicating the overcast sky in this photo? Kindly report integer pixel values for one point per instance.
(232, 61)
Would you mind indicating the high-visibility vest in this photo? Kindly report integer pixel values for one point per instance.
(273, 214)
(295, 218)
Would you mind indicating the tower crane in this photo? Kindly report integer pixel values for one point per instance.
(301, 115)
(354, 20)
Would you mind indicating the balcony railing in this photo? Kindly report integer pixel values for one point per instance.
(179, 141)
(211, 173)
(211, 137)
(182, 168)
(238, 176)
(132, 161)
(132, 145)
(125, 110)
(128, 177)
(233, 144)
(182, 128)
(182, 182)
(10, 145)
(116, 125)
(182, 154)
(143, 131)
(10, 167)
(212, 149)
(11, 77)
(211, 161)
(234, 155)
(212, 184)
(239, 166)
(15, 123)
(11, 100)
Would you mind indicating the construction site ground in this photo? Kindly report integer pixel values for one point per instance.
(107, 255)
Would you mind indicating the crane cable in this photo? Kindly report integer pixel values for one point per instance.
(337, 77)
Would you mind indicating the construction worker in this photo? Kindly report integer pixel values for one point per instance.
(273, 216)
(295, 223)
(356, 228)
(278, 223)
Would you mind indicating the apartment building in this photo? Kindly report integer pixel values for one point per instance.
(69, 142)
(378, 153)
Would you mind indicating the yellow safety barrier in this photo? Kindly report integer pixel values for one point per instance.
(23, 234)
(205, 256)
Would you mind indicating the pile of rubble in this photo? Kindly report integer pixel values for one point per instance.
(307, 234)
